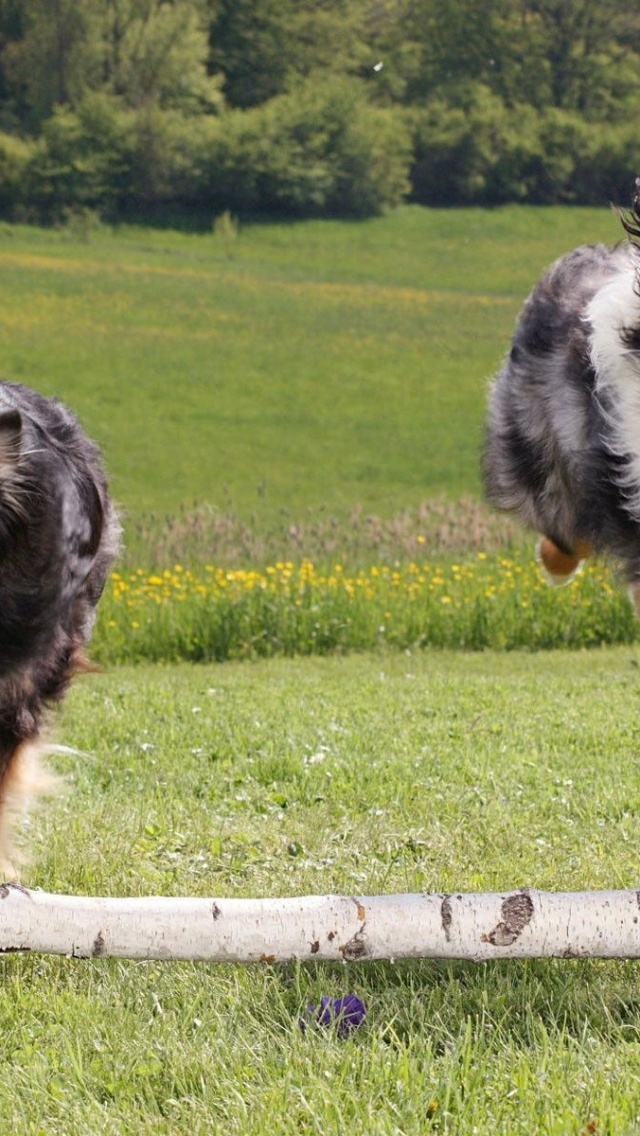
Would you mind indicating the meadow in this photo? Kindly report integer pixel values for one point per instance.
(318, 365)
(292, 418)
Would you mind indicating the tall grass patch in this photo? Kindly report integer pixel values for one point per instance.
(489, 600)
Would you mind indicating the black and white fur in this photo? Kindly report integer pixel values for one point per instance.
(563, 430)
(59, 534)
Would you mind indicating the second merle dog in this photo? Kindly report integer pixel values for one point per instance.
(563, 431)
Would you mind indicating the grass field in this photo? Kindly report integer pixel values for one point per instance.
(319, 364)
(428, 772)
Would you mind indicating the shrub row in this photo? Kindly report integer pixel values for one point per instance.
(323, 150)
(479, 151)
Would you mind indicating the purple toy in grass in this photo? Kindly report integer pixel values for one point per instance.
(345, 1014)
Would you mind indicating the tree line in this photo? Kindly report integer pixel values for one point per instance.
(313, 107)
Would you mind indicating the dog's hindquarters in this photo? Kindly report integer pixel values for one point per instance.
(543, 438)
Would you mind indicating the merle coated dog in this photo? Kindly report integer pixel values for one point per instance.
(59, 534)
(563, 430)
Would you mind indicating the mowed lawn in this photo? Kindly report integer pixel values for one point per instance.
(387, 773)
(324, 363)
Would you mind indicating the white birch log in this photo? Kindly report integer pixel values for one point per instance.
(519, 924)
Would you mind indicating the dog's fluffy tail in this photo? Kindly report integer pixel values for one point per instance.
(24, 777)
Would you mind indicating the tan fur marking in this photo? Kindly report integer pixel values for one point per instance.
(634, 593)
(558, 563)
(25, 778)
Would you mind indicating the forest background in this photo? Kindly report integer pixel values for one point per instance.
(184, 109)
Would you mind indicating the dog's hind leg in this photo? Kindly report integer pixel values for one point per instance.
(558, 566)
(634, 596)
(22, 777)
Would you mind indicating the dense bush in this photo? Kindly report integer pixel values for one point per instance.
(475, 149)
(113, 159)
(16, 158)
(82, 158)
(322, 149)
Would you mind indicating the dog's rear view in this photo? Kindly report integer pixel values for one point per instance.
(58, 536)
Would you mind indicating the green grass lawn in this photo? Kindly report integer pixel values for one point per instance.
(323, 363)
(379, 773)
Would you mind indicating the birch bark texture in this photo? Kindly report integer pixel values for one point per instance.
(518, 924)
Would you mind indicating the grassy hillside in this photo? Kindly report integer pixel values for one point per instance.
(319, 363)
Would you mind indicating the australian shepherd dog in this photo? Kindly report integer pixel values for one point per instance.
(563, 432)
(59, 534)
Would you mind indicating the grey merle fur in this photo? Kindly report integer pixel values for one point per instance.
(59, 534)
(551, 454)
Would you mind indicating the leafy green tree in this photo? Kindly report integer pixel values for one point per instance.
(460, 42)
(55, 58)
(143, 51)
(155, 51)
(586, 52)
(12, 109)
(577, 55)
(264, 46)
